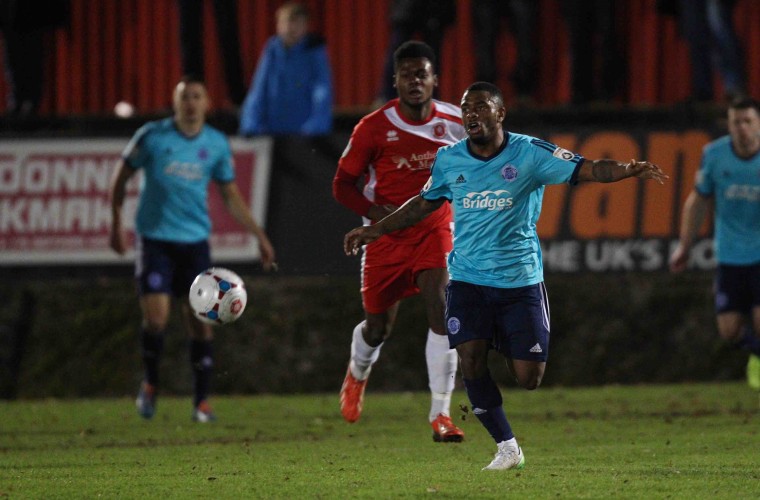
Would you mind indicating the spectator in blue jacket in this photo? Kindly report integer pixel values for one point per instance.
(291, 90)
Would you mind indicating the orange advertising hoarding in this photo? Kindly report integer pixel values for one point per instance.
(625, 226)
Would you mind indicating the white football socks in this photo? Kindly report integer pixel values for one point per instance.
(509, 443)
(442, 368)
(363, 356)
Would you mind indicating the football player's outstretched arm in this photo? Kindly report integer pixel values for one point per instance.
(409, 214)
(613, 171)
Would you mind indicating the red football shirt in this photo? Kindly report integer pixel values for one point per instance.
(394, 155)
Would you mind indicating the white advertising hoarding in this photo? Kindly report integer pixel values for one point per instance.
(55, 208)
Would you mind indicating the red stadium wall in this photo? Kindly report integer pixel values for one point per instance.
(129, 50)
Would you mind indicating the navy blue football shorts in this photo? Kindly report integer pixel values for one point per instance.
(514, 320)
(737, 288)
(168, 267)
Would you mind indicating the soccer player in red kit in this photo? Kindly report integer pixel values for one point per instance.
(393, 149)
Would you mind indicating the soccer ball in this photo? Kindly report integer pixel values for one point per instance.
(218, 296)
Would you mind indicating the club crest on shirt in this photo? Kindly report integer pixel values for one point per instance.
(509, 172)
(439, 130)
(203, 154)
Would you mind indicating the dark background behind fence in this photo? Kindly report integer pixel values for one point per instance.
(129, 50)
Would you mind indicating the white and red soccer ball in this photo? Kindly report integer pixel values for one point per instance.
(218, 296)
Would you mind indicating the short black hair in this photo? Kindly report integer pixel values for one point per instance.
(487, 87)
(192, 78)
(745, 102)
(413, 49)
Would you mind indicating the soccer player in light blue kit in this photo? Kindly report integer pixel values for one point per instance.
(496, 298)
(730, 176)
(179, 157)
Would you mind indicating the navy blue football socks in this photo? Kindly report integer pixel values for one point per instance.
(486, 401)
(202, 361)
(152, 348)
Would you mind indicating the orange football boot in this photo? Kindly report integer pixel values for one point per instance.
(444, 430)
(352, 397)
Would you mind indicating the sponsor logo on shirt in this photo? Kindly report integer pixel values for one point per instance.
(421, 161)
(392, 135)
(184, 170)
(402, 162)
(743, 192)
(488, 200)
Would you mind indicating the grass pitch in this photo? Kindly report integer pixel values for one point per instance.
(675, 441)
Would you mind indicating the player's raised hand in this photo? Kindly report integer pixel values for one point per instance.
(355, 238)
(645, 170)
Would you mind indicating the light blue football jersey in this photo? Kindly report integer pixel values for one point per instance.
(734, 182)
(496, 203)
(177, 170)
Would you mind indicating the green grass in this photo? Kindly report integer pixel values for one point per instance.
(675, 441)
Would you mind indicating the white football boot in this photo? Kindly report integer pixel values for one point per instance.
(508, 457)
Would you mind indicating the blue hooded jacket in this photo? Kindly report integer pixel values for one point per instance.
(291, 90)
